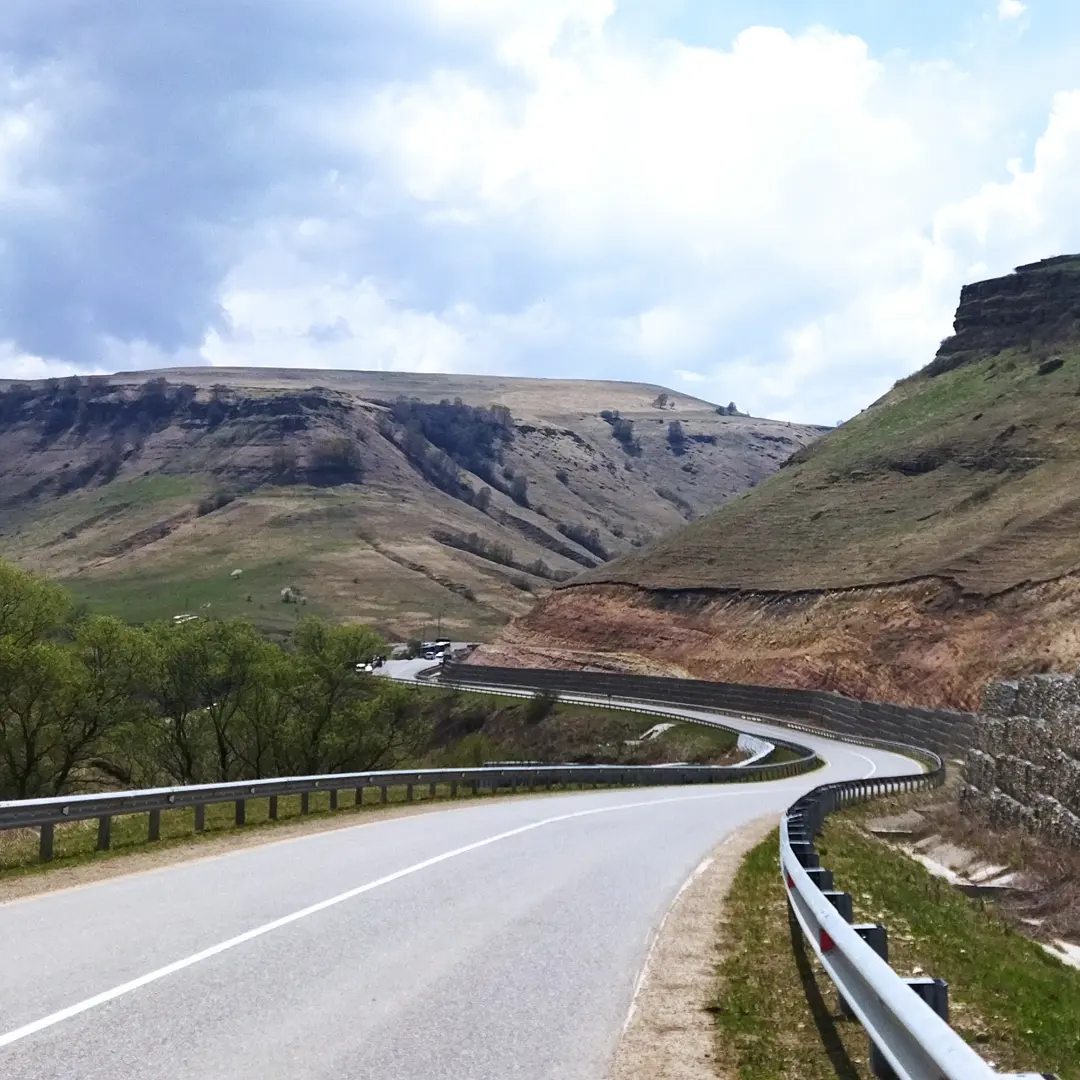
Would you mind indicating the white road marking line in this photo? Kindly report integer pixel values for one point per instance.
(249, 935)
(872, 764)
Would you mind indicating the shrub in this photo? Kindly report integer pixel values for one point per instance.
(335, 460)
(676, 438)
(623, 431)
(589, 539)
(217, 498)
(519, 490)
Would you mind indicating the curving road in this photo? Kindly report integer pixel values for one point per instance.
(481, 941)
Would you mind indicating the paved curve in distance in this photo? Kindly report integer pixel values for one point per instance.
(483, 941)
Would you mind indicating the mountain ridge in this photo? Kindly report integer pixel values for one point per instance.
(395, 498)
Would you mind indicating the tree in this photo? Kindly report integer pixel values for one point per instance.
(661, 401)
(267, 713)
(331, 712)
(30, 607)
(676, 438)
(112, 661)
(519, 490)
(182, 742)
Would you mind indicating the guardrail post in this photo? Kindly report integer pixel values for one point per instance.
(382, 793)
(359, 798)
(305, 802)
(876, 936)
(271, 810)
(821, 877)
(104, 831)
(807, 856)
(841, 901)
(154, 827)
(431, 791)
(408, 793)
(45, 844)
(239, 811)
(453, 789)
(333, 798)
(935, 992)
(200, 817)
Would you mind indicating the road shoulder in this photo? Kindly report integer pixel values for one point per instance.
(670, 1033)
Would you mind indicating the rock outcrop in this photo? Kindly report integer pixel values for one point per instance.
(1040, 302)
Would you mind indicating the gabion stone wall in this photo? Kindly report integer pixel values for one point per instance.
(1025, 767)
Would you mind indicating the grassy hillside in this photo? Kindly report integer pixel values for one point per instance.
(394, 499)
(968, 470)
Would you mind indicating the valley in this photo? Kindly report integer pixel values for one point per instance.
(413, 503)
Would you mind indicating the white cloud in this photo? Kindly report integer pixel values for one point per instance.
(15, 364)
(538, 189)
(283, 312)
(1034, 214)
(1010, 9)
(783, 174)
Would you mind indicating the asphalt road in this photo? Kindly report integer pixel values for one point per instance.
(497, 940)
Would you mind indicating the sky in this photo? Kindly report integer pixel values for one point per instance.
(773, 202)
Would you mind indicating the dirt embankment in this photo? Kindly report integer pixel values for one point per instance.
(926, 643)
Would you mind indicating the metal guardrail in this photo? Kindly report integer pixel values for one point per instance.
(906, 1019)
(46, 814)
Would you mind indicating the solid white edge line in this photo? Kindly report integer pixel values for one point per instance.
(16, 1035)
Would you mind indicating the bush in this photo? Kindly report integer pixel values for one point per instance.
(676, 438)
(541, 705)
(214, 501)
(589, 539)
(335, 460)
(519, 490)
(623, 431)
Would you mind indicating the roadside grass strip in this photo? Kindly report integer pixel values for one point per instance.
(777, 1011)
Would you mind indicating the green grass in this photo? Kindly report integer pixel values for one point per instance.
(694, 742)
(1020, 1005)
(146, 596)
(776, 1010)
(146, 490)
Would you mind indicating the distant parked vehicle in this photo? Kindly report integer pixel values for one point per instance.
(434, 650)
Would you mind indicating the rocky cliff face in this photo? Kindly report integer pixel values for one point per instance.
(1037, 305)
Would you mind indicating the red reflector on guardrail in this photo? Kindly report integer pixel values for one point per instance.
(827, 942)
(790, 881)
